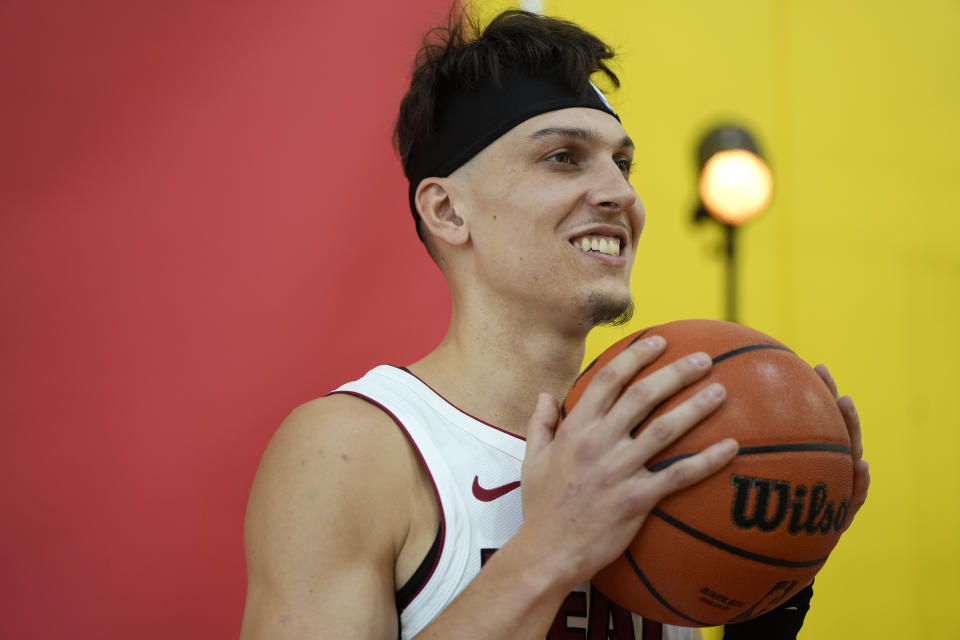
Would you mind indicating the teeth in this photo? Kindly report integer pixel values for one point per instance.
(608, 246)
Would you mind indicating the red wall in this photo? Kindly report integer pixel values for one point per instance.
(202, 224)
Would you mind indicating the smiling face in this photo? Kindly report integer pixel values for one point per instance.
(552, 219)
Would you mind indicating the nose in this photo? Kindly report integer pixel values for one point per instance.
(610, 189)
(611, 194)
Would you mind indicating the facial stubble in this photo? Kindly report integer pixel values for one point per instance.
(609, 310)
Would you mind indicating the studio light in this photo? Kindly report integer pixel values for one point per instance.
(735, 183)
(735, 186)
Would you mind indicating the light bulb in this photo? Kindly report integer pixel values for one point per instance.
(735, 186)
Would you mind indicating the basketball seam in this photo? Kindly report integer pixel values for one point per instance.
(720, 358)
(749, 348)
(729, 548)
(793, 447)
(656, 594)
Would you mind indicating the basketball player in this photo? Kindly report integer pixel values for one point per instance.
(438, 500)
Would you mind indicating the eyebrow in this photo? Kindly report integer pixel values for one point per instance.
(575, 133)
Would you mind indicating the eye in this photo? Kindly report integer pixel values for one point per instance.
(625, 165)
(561, 157)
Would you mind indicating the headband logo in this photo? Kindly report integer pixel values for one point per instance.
(602, 97)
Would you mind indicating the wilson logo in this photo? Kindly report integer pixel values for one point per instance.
(764, 504)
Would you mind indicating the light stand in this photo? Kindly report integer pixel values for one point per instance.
(735, 186)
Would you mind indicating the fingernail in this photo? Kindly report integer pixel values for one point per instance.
(699, 359)
(715, 391)
(655, 341)
(728, 445)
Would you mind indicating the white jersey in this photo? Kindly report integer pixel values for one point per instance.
(475, 471)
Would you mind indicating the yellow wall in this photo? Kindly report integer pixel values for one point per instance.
(856, 264)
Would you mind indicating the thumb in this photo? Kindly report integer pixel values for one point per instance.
(542, 424)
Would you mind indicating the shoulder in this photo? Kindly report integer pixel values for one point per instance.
(337, 448)
(344, 423)
(334, 465)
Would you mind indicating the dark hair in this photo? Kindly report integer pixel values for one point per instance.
(463, 55)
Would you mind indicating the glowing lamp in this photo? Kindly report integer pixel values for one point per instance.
(735, 183)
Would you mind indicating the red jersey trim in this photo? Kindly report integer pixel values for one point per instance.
(472, 417)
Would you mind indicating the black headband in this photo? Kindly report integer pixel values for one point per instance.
(467, 120)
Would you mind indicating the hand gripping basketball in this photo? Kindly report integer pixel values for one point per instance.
(861, 470)
(586, 486)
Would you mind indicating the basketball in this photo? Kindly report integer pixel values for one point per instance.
(747, 538)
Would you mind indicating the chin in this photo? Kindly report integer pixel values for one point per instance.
(608, 309)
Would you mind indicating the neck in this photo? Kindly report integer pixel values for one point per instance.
(494, 367)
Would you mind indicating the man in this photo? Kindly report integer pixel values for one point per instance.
(393, 506)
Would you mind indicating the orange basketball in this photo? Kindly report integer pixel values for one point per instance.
(746, 539)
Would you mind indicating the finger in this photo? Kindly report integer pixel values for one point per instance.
(609, 381)
(642, 397)
(632, 454)
(666, 428)
(824, 374)
(852, 419)
(691, 470)
(542, 424)
(861, 485)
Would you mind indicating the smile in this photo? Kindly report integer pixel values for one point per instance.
(598, 244)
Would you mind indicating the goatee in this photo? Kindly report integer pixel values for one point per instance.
(609, 311)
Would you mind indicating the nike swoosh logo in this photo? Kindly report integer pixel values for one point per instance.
(486, 495)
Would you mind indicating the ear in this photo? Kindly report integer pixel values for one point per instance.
(435, 203)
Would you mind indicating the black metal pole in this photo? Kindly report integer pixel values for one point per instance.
(730, 251)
